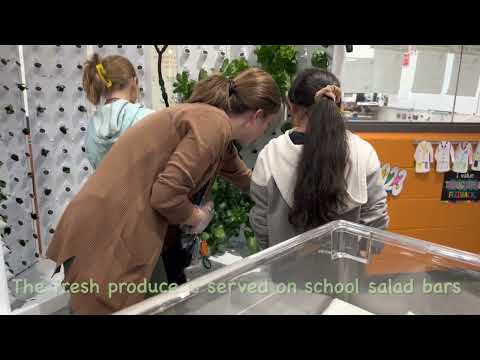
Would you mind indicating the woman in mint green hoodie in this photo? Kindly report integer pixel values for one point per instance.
(111, 84)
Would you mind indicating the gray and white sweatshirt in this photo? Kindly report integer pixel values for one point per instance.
(273, 183)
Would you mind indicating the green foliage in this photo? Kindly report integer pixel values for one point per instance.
(280, 61)
(230, 69)
(252, 243)
(183, 86)
(202, 75)
(232, 209)
(320, 59)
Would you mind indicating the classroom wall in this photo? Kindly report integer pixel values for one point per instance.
(418, 211)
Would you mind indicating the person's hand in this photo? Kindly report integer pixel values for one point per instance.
(202, 215)
(331, 91)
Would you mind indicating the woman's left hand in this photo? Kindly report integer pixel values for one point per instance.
(205, 215)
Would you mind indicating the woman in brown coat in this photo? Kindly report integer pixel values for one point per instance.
(113, 231)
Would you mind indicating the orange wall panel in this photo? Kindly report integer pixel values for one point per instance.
(418, 211)
(426, 213)
(421, 186)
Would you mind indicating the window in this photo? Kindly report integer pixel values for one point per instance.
(411, 83)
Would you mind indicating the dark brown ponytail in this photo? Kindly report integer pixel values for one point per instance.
(321, 187)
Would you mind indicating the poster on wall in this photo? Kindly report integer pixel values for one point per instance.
(461, 187)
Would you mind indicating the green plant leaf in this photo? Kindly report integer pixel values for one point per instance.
(219, 232)
(202, 75)
(320, 59)
(224, 65)
(232, 208)
(233, 68)
(280, 61)
(252, 244)
(183, 86)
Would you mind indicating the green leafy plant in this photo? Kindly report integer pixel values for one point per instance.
(232, 209)
(230, 69)
(280, 61)
(252, 243)
(183, 86)
(202, 75)
(320, 59)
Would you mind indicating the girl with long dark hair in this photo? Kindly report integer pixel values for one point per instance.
(316, 172)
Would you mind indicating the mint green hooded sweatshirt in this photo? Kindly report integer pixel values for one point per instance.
(107, 124)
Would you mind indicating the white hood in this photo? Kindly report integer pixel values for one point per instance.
(279, 159)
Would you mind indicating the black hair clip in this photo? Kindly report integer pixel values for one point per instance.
(231, 87)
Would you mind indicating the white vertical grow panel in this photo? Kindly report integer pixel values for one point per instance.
(4, 291)
(244, 51)
(193, 58)
(4, 277)
(19, 238)
(58, 112)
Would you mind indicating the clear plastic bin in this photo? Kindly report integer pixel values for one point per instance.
(339, 268)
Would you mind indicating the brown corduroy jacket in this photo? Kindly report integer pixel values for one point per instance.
(115, 226)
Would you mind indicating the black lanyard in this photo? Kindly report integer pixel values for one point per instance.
(298, 138)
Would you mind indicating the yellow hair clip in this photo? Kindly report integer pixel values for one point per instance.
(103, 75)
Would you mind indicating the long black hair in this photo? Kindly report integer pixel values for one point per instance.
(320, 189)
